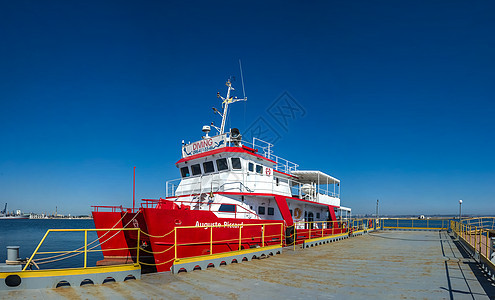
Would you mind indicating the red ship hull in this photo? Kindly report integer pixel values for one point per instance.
(158, 236)
(197, 232)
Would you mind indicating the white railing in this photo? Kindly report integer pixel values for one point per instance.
(287, 187)
(266, 149)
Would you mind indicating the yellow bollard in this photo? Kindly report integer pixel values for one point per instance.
(263, 235)
(85, 248)
(175, 243)
(138, 243)
(240, 237)
(211, 240)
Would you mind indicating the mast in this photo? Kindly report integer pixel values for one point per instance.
(226, 101)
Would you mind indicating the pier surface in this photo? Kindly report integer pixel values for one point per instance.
(379, 265)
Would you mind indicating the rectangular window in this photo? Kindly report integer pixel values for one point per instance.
(259, 169)
(317, 215)
(261, 210)
(227, 208)
(291, 213)
(251, 167)
(222, 164)
(184, 171)
(208, 167)
(236, 163)
(271, 211)
(196, 169)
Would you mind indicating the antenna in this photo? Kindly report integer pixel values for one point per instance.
(242, 80)
(225, 104)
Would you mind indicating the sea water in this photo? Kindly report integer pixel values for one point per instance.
(28, 233)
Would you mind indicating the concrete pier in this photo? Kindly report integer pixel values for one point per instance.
(378, 265)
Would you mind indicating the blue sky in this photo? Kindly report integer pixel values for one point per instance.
(396, 98)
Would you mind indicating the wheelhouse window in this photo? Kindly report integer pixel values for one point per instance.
(259, 169)
(222, 164)
(317, 215)
(208, 167)
(184, 171)
(227, 208)
(251, 167)
(236, 163)
(271, 211)
(196, 169)
(261, 210)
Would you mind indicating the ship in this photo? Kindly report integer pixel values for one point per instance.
(4, 215)
(229, 182)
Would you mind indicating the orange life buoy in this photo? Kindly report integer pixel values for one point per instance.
(297, 213)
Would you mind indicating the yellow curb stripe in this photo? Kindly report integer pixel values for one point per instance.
(73, 271)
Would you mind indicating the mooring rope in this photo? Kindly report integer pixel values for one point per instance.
(162, 263)
(79, 249)
(158, 236)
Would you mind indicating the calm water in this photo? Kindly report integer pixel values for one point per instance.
(28, 233)
(431, 223)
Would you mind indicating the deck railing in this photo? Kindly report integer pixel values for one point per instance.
(200, 184)
(415, 223)
(265, 234)
(317, 229)
(84, 250)
(478, 238)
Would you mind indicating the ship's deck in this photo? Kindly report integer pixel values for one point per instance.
(379, 265)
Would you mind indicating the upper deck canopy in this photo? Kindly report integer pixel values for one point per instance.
(315, 176)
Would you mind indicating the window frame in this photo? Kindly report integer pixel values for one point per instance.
(271, 211)
(227, 205)
(261, 210)
(188, 174)
(192, 170)
(212, 164)
(232, 163)
(261, 169)
(226, 164)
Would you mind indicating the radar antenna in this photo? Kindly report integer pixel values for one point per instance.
(225, 104)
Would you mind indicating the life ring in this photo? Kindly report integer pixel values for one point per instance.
(268, 171)
(297, 213)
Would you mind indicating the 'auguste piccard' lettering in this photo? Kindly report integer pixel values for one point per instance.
(218, 224)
